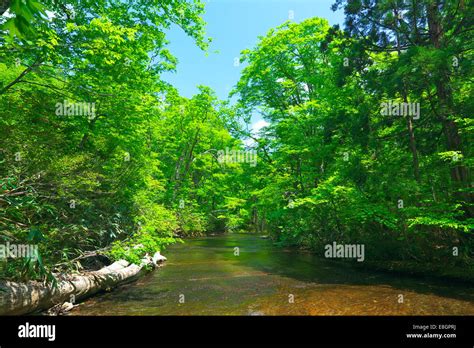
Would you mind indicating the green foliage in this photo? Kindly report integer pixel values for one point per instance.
(73, 182)
(337, 169)
(140, 244)
(141, 169)
(24, 12)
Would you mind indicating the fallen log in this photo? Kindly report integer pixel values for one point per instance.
(23, 298)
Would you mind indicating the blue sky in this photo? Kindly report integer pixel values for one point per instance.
(234, 25)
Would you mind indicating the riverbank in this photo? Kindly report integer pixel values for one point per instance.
(19, 298)
(411, 268)
(460, 274)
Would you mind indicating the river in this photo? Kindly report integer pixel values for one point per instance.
(207, 276)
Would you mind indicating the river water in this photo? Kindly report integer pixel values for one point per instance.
(204, 276)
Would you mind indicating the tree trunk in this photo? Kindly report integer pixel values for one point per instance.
(459, 173)
(24, 298)
(411, 134)
(414, 152)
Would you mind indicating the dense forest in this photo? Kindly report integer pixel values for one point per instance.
(367, 142)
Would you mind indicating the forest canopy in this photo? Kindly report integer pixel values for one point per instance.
(368, 133)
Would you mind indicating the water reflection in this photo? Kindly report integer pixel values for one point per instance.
(265, 280)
